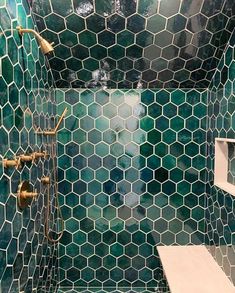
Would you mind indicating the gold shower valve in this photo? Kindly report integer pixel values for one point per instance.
(25, 194)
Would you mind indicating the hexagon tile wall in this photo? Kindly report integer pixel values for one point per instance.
(132, 44)
(27, 260)
(221, 206)
(132, 176)
(132, 162)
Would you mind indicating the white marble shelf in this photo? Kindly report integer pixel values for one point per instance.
(192, 269)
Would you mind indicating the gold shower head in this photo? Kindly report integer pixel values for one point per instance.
(46, 47)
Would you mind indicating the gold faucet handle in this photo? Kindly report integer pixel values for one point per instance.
(26, 158)
(45, 180)
(26, 194)
(37, 155)
(16, 162)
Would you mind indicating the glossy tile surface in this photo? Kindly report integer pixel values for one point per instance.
(221, 205)
(132, 163)
(133, 44)
(131, 171)
(231, 163)
(27, 261)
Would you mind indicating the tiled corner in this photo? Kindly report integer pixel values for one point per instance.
(133, 44)
(131, 176)
(221, 123)
(231, 163)
(26, 100)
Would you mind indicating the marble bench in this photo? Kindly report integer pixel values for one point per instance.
(192, 269)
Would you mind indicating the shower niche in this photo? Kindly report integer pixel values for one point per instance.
(225, 164)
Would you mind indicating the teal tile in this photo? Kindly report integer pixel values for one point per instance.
(156, 19)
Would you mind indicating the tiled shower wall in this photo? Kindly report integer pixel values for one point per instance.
(27, 260)
(135, 43)
(221, 205)
(132, 176)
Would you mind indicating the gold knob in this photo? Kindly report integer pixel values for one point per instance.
(25, 194)
(37, 155)
(11, 163)
(45, 180)
(26, 158)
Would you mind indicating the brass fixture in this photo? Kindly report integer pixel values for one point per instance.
(11, 163)
(50, 234)
(16, 162)
(45, 180)
(37, 155)
(32, 157)
(26, 158)
(54, 131)
(25, 194)
(46, 47)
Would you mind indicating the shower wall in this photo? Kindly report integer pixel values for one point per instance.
(221, 205)
(131, 177)
(133, 43)
(27, 260)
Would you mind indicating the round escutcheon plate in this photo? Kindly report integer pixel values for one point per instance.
(22, 201)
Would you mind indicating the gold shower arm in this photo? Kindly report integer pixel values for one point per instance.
(46, 47)
(24, 30)
(61, 119)
(54, 131)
